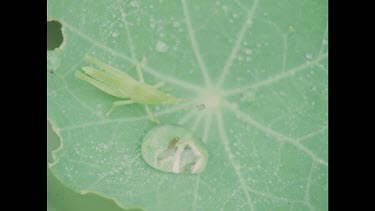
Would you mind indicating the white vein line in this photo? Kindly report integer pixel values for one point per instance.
(280, 137)
(280, 117)
(322, 67)
(312, 134)
(197, 181)
(194, 44)
(225, 141)
(186, 117)
(237, 44)
(114, 134)
(119, 120)
(266, 195)
(127, 31)
(151, 71)
(98, 44)
(285, 50)
(307, 195)
(88, 108)
(96, 182)
(172, 80)
(285, 43)
(91, 165)
(196, 192)
(55, 91)
(197, 121)
(308, 183)
(256, 124)
(279, 151)
(74, 66)
(275, 78)
(310, 153)
(207, 126)
(276, 198)
(324, 35)
(104, 122)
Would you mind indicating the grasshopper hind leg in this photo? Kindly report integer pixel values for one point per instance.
(118, 103)
(128, 102)
(151, 115)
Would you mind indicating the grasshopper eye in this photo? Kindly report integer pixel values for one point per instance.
(172, 148)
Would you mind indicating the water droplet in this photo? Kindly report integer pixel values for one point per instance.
(115, 34)
(172, 148)
(248, 51)
(134, 3)
(308, 56)
(225, 9)
(175, 24)
(161, 47)
(325, 42)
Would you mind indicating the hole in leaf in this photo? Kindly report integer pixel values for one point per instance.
(54, 35)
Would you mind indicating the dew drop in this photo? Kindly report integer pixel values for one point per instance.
(308, 56)
(174, 149)
(162, 47)
(175, 24)
(248, 51)
(134, 3)
(325, 42)
(115, 34)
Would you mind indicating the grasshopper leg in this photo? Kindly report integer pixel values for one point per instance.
(158, 85)
(139, 70)
(151, 115)
(118, 103)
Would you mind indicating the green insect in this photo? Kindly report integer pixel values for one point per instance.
(119, 84)
(174, 149)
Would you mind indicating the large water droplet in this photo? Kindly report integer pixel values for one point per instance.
(172, 148)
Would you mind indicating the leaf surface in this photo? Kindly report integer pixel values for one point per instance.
(258, 67)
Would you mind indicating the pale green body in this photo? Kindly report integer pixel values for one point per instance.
(119, 84)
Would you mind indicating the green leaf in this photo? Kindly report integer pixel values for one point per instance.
(259, 68)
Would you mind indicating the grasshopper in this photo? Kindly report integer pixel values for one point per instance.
(119, 84)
